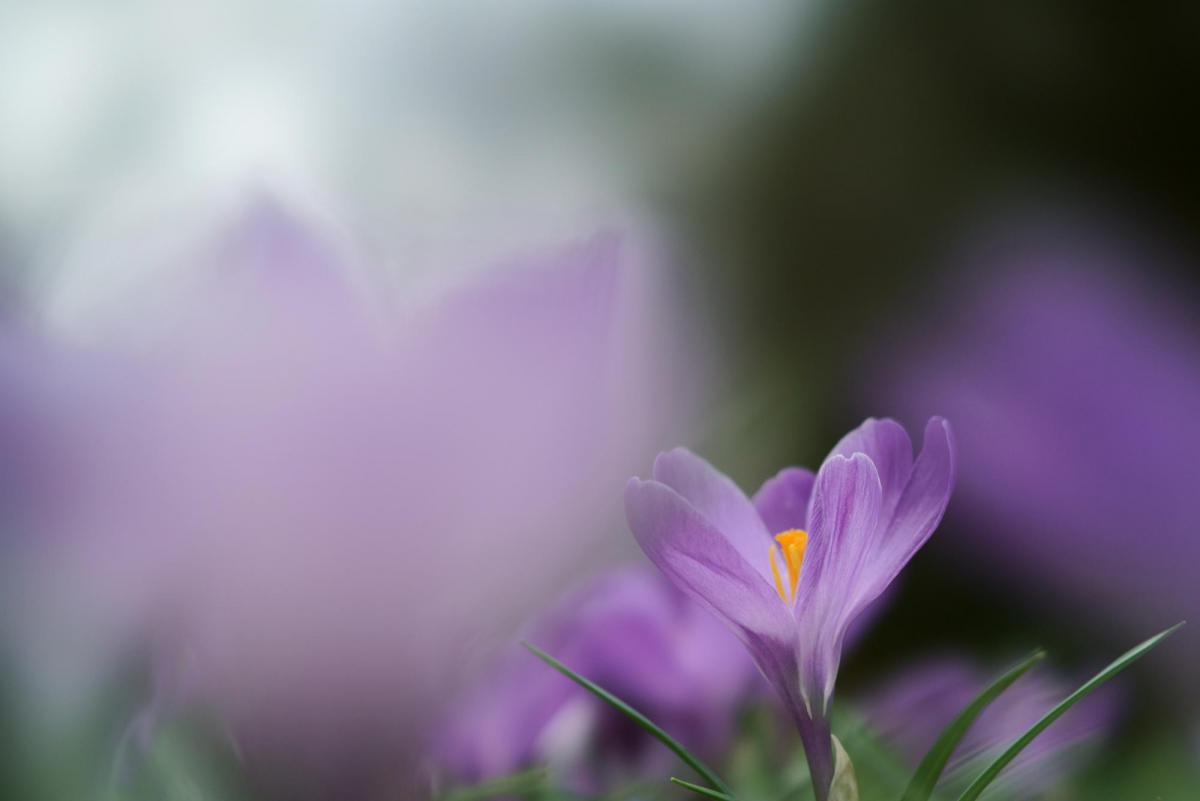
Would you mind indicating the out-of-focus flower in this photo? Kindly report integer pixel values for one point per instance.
(1073, 381)
(869, 508)
(638, 637)
(316, 503)
(20, 459)
(909, 712)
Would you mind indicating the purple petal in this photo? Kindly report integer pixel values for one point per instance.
(843, 522)
(721, 502)
(843, 535)
(916, 506)
(856, 548)
(782, 502)
(924, 500)
(698, 558)
(886, 443)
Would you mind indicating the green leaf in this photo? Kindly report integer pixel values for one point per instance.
(704, 791)
(524, 782)
(1128, 658)
(931, 767)
(637, 717)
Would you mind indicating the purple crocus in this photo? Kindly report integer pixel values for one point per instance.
(910, 710)
(1072, 373)
(638, 636)
(296, 494)
(791, 570)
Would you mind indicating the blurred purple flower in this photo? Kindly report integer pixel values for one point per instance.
(637, 636)
(316, 503)
(1074, 384)
(23, 440)
(909, 712)
(869, 508)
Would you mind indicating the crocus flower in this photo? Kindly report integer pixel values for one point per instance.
(910, 710)
(296, 497)
(1072, 373)
(636, 635)
(791, 570)
(22, 441)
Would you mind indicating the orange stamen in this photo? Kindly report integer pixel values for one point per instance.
(792, 543)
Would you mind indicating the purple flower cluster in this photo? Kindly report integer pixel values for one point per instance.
(635, 635)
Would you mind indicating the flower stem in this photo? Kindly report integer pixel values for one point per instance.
(818, 750)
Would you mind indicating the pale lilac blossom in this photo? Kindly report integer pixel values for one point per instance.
(318, 500)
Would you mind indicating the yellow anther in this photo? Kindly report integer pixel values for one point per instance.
(792, 543)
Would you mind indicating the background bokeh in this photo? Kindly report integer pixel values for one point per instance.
(329, 333)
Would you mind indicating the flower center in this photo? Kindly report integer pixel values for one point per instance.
(792, 544)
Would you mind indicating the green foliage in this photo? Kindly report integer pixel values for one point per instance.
(637, 717)
(1155, 763)
(190, 759)
(187, 760)
(931, 767)
(1125, 660)
(91, 753)
(881, 772)
(699, 790)
(877, 768)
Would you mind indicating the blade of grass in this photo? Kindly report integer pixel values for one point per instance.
(637, 717)
(1125, 660)
(704, 791)
(517, 783)
(931, 767)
